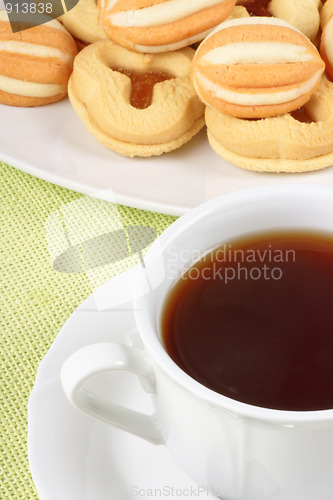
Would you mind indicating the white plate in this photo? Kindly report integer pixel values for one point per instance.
(74, 457)
(50, 142)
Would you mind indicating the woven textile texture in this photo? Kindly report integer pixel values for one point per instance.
(50, 258)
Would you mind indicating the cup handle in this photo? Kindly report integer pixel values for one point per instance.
(98, 358)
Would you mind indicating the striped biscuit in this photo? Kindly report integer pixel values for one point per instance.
(256, 67)
(326, 47)
(161, 25)
(35, 64)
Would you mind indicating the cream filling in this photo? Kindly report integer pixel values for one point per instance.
(261, 99)
(173, 46)
(31, 49)
(257, 53)
(162, 13)
(29, 89)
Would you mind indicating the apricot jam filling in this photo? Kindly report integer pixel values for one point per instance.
(257, 7)
(301, 115)
(143, 86)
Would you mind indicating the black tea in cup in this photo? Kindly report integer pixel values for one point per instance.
(253, 320)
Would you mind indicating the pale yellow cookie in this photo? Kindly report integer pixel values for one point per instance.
(82, 22)
(302, 14)
(326, 13)
(35, 64)
(238, 12)
(101, 95)
(278, 144)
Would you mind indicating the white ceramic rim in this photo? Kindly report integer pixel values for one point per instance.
(148, 331)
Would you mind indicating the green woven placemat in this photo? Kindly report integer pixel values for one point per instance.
(42, 229)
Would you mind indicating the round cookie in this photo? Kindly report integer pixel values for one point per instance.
(35, 64)
(278, 144)
(256, 67)
(161, 25)
(82, 22)
(326, 47)
(302, 14)
(100, 93)
(326, 13)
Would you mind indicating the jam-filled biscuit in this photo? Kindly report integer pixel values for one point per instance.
(326, 47)
(112, 90)
(302, 14)
(256, 67)
(82, 22)
(35, 64)
(300, 141)
(161, 25)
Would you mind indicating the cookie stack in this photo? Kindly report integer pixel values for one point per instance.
(142, 87)
(269, 103)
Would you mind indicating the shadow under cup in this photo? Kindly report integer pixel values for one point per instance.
(271, 210)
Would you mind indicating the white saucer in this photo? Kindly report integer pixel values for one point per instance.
(74, 457)
(51, 142)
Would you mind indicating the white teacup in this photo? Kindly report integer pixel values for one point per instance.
(236, 450)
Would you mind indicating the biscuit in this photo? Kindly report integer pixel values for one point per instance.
(302, 14)
(256, 67)
(100, 93)
(161, 25)
(278, 144)
(82, 22)
(35, 64)
(326, 47)
(326, 12)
